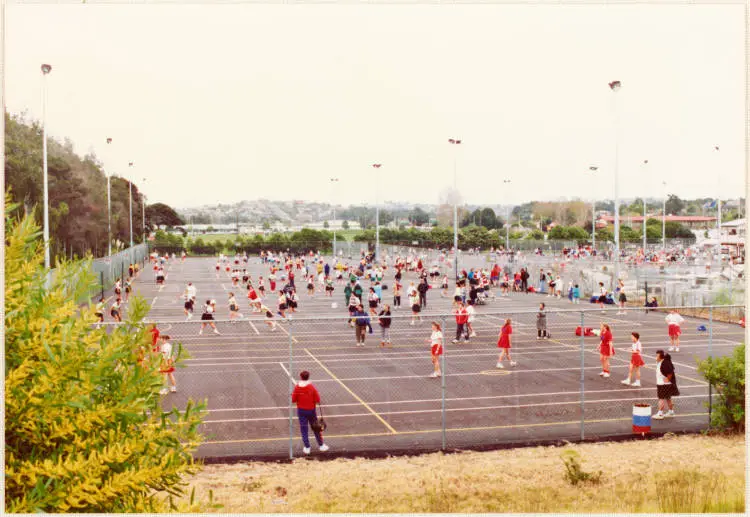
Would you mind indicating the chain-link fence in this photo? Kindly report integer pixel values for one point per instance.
(107, 270)
(386, 388)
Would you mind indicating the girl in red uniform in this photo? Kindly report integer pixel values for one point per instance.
(636, 361)
(606, 349)
(504, 344)
(436, 348)
(252, 298)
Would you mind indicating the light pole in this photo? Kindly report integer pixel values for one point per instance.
(507, 221)
(664, 219)
(593, 168)
(109, 209)
(615, 86)
(377, 221)
(46, 69)
(718, 201)
(130, 199)
(334, 180)
(143, 211)
(455, 206)
(645, 162)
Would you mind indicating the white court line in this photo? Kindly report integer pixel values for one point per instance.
(457, 399)
(294, 339)
(420, 357)
(448, 410)
(292, 378)
(425, 377)
(254, 327)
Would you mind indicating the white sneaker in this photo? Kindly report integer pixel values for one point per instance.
(513, 363)
(200, 333)
(658, 416)
(473, 334)
(173, 389)
(677, 349)
(626, 382)
(499, 365)
(306, 450)
(636, 383)
(433, 375)
(671, 349)
(605, 375)
(670, 413)
(324, 448)
(163, 391)
(217, 332)
(601, 374)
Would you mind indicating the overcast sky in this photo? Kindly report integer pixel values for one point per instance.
(223, 103)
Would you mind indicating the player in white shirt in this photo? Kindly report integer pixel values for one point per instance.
(674, 321)
(636, 361)
(167, 365)
(436, 348)
(471, 311)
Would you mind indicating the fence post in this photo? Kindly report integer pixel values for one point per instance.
(101, 283)
(710, 355)
(442, 378)
(583, 363)
(291, 387)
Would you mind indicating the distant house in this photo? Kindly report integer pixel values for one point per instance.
(694, 222)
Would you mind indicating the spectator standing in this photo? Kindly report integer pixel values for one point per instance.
(541, 322)
(307, 397)
(666, 384)
(504, 344)
(384, 319)
(361, 324)
(462, 318)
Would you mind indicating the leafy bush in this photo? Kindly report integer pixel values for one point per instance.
(727, 376)
(84, 428)
(574, 472)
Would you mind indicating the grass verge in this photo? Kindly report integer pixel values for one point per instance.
(687, 474)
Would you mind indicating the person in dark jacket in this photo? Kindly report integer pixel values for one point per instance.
(307, 397)
(384, 319)
(422, 289)
(666, 384)
(347, 294)
(361, 322)
(524, 280)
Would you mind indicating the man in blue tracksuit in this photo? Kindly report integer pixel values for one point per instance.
(361, 322)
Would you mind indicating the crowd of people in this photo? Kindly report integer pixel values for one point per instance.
(365, 283)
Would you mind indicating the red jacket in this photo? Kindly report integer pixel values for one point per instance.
(462, 316)
(305, 395)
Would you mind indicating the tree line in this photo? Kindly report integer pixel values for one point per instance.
(77, 194)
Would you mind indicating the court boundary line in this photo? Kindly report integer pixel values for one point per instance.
(453, 429)
(382, 420)
(447, 410)
(453, 399)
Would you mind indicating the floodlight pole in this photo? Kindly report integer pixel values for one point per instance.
(507, 222)
(455, 207)
(109, 208)
(46, 69)
(130, 200)
(334, 180)
(645, 162)
(615, 86)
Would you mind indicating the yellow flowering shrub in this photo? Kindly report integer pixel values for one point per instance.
(84, 427)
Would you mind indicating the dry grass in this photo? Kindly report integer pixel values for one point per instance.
(672, 474)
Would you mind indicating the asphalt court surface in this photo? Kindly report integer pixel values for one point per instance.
(382, 400)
